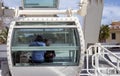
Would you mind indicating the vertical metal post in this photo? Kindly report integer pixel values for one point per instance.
(96, 60)
(117, 63)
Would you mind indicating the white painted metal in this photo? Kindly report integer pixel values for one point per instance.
(92, 21)
(84, 6)
(45, 12)
(47, 70)
(81, 11)
(0, 72)
(101, 69)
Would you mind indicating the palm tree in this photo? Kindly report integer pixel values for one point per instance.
(3, 35)
(104, 33)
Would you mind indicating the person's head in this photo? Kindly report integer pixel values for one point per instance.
(47, 42)
(39, 38)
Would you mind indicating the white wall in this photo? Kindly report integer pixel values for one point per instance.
(92, 21)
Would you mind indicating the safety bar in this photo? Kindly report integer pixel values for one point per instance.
(99, 53)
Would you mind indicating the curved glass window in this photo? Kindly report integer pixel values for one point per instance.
(59, 47)
(40, 3)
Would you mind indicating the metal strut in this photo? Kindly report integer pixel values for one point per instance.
(82, 11)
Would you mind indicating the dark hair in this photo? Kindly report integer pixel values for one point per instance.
(47, 42)
(39, 38)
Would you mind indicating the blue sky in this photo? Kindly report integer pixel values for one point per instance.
(111, 10)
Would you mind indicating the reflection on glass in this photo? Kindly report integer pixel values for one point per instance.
(57, 36)
(61, 58)
(44, 23)
(64, 42)
(40, 3)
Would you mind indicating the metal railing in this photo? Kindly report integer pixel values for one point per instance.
(100, 60)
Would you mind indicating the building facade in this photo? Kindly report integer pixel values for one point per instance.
(6, 15)
(114, 33)
(1, 13)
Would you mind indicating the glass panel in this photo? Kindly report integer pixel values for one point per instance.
(40, 3)
(51, 58)
(54, 46)
(44, 23)
(56, 36)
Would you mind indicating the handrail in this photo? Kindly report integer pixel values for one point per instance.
(109, 52)
(98, 52)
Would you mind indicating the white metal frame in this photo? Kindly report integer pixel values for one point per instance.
(69, 12)
(44, 19)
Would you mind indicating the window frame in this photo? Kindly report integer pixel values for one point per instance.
(113, 36)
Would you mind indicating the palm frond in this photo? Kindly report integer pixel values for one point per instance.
(3, 35)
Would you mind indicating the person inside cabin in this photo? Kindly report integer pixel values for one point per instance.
(49, 54)
(38, 55)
